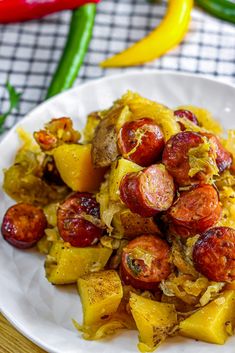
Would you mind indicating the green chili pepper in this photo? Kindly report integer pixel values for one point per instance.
(224, 9)
(79, 36)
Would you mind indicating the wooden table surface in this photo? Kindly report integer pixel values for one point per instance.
(11, 341)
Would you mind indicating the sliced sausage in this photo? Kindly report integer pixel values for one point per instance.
(23, 225)
(223, 157)
(175, 157)
(57, 131)
(145, 262)
(149, 191)
(78, 220)
(195, 211)
(187, 114)
(214, 254)
(141, 141)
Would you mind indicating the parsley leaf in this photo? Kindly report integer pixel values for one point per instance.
(14, 99)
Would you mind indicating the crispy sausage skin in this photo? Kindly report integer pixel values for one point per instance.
(141, 141)
(145, 262)
(223, 157)
(175, 157)
(187, 114)
(195, 211)
(149, 191)
(23, 225)
(214, 254)
(72, 220)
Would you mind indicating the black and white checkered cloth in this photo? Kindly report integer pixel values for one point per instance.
(29, 52)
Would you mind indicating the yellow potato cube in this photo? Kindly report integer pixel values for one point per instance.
(131, 225)
(65, 263)
(213, 322)
(101, 294)
(76, 169)
(153, 319)
(118, 169)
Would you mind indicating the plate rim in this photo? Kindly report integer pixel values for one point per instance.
(111, 77)
(14, 322)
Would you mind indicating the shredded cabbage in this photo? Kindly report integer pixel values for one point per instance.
(203, 159)
(205, 119)
(181, 256)
(50, 212)
(108, 208)
(119, 320)
(141, 254)
(211, 292)
(142, 107)
(44, 244)
(226, 186)
(229, 143)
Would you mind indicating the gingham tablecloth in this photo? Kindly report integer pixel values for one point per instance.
(29, 52)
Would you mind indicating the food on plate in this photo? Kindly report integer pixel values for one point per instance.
(214, 322)
(145, 262)
(138, 209)
(70, 160)
(195, 210)
(78, 220)
(182, 155)
(130, 225)
(223, 157)
(101, 293)
(141, 141)
(23, 225)
(149, 191)
(154, 320)
(216, 246)
(186, 114)
(66, 263)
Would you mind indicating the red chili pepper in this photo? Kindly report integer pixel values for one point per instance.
(23, 10)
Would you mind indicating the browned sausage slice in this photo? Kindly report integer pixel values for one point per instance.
(175, 157)
(145, 262)
(78, 220)
(214, 254)
(223, 157)
(141, 141)
(149, 191)
(23, 225)
(195, 211)
(187, 114)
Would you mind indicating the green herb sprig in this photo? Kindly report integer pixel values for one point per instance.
(14, 99)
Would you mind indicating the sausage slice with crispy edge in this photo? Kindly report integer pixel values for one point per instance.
(195, 211)
(214, 254)
(149, 191)
(145, 262)
(175, 157)
(23, 225)
(141, 141)
(78, 220)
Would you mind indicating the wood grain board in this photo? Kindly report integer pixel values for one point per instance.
(11, 341)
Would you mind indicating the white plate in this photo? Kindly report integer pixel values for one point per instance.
(43, 312)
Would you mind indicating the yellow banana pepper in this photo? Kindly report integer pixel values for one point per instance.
(168, 34)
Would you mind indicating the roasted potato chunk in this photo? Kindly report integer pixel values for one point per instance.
(214, 322)
(101, 294)
(65, 263)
